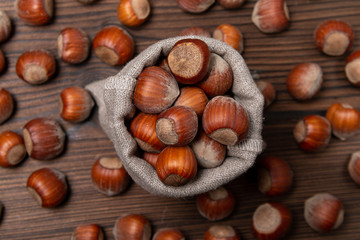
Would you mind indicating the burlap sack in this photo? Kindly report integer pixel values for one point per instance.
(114, 99)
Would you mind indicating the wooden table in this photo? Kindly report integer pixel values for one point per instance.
(271, 56)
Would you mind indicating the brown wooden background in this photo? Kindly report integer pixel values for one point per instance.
(272, 56)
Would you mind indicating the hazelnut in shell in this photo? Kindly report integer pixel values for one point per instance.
(221, 232)
(168, 234)
(268, 91)
(155, 90)
(133, 13)
(195, 6)
(225, 120)
(113, 45)
(44, 138)
(132, 226)
(176, 166)
(352, 68)
(323, 212)
(12, 149)
(48, 187)
(231, 35)
(6, 105)
(88, 232)
(194, 98)
(109, 176)
(35, 12)
(5, 26)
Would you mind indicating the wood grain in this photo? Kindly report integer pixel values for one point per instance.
(270, 56)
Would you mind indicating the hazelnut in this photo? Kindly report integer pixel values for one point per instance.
(209, 153)
(168, 234)
(132, 226)
(352, 68)
(323, 212)
(86, 1)
(5, 26)
(75, 104)
(189, 60)
(216, 204)
(44, 138)
(6, 105)
(113, 45)
(275, 176)
(35, 12)
(2, 61)
(219, 79)
(354, 167)
(221, 232)
(231, 4)
(304, 81)
(36, 66)
(176, 166)
(194, 98)
(48, 187)
(225, 120)
(88, 232)
(195, 6)
(177, 126)
(268, 91)
(151, 158)
(334, 37)
(198, 31)
(143, 130)
(73, 45)
(270, 16)
(344, 119)
(109, 176)
(133, 13)
(12, 149)
(312, 133)
(271, 221)
(155, 90)
(231, 35)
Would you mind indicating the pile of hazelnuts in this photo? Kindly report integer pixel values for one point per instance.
(177, 126)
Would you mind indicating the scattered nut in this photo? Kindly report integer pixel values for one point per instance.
(312, 133)
(354, 167)
(198, 31)
(274, 176)
(323, 212)
(12, 149)
(231, 4)
(6, 105)
(133, 13)
(88, 232)
(268, 91)
(75, 104)
(344, 119)
(44, 138)
(271, 221)
(231, 35)
(35, 12)
(109, 176)
(132, 226)
(2, 61)
(5, 26)
(216, 204)
(221, 232)
(195, 6)
(36, 66)
(73, 45)
(304, 81)
(48, 187)
(334, 37)
(113, 45)
(352, 68)
(270, 16)
(168, 234)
